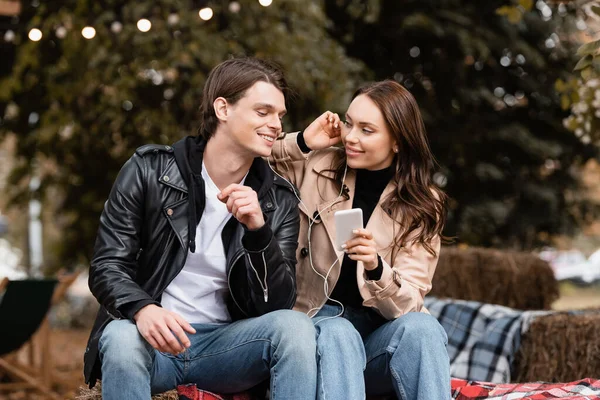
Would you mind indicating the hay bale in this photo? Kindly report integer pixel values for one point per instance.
(96, 394)
(560, 347)
(513, 279)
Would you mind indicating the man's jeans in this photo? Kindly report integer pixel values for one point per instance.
(406, 356)
(225, 358)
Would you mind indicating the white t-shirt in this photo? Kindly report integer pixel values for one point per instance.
(200, 290)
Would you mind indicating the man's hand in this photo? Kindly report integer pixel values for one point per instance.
(323, 132)
(242, 203)
(363, 248)
(164, 330)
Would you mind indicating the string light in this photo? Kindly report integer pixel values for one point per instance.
(144, 25)
(88, 32)
(61, 32)
(116, 27)
(234, 7)
(173, 19)
(9, 36)
(206, 13)
(35, 35)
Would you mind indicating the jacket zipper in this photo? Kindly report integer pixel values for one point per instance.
(263, 284)
(235, 260)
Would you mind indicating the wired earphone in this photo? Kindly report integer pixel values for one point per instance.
(311, 223)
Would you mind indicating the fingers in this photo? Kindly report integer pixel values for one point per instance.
(237, 200)
(184, 324)
(361, 250)
(160, 343)
(242, 199)
(362, 257)
(334, 120)
(359, 241)
(363, 232)
(234, 187)
(171, 343)
(164, 330)
(179, 334)
(242, 203)
(152, 341)
(157, 341)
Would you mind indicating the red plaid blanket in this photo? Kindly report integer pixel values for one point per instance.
(585, 389)
(191, 392)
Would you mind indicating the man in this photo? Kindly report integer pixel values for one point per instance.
(196, 253)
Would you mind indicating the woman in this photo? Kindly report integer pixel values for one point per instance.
(385, 342)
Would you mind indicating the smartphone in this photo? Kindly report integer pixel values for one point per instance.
(345, 222)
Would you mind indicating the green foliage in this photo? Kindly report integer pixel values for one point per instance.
(515, 13)
(98, 100)
(484, 81)
(582, 95)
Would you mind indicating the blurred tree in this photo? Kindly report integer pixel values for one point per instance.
(581, 93)
(483, 73)
(81, 107)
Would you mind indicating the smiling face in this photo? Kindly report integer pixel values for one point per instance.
(254, 121)
(366, 136)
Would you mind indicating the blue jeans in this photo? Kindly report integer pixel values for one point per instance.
(361, 352)
(224, 358)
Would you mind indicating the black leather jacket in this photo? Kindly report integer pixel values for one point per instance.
(142, 244)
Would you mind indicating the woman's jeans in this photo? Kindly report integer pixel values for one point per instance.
(223, 358)
(361, 351)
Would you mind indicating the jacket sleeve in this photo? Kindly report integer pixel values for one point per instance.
(404, 284)
(288, 159)
(271, 263)
(114, 265)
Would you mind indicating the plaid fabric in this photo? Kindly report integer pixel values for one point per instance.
(191, 392)
(586, 389)
(482, 338)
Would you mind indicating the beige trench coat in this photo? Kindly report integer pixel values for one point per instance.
(405, 280)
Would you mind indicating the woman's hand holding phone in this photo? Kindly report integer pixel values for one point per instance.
(363, 248)
(324, 131)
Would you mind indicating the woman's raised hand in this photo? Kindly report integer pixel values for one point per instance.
(324, 131)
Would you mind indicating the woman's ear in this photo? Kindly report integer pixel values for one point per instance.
(220, 106)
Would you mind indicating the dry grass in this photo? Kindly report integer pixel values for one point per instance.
(560, 348)
(512, 279)
(94, 394)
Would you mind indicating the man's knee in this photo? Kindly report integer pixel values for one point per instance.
(121, 343)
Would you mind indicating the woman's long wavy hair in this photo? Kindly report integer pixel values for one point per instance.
(417, 200)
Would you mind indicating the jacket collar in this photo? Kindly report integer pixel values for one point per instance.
(172, 177)
(260, 177)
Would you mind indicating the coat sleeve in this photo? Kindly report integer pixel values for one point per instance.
(114, 266)
(288, 160)
(403, 284)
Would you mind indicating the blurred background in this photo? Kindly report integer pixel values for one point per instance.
(509, 90)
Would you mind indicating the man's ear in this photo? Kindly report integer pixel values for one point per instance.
(220, 106)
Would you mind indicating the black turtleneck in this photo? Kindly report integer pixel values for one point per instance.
(369, 187)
